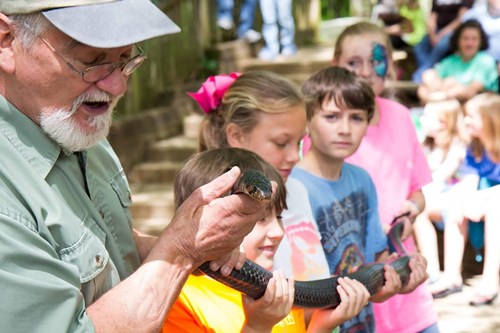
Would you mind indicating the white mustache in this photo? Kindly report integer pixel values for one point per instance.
(97, 96)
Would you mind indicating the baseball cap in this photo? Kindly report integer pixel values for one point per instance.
(99, 23)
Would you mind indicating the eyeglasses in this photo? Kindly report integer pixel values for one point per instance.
(99, 72)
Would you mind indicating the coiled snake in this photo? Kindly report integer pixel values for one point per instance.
(252, 279)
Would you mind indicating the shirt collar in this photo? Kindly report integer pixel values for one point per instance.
(28, 138)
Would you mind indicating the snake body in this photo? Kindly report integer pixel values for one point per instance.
(252, 279)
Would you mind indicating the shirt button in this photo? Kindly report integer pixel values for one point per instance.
(101, 213)
(98, 260)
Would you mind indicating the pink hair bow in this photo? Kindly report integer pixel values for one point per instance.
(210, 94)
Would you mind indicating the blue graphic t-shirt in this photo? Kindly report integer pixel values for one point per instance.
(351, 233)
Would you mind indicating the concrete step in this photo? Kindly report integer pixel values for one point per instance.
(307, 61)
(160, 172)
(176, 149)
(153, 207)
(152, 201)
(152, 226)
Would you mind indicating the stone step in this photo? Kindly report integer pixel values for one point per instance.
(152, 201)
(160, 172)
(152, 226)
(176, 149)
(153, 207)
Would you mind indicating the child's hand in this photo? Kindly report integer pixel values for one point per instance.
(262, 314)
(407, 229)
(353, 298)
(391, 286)
(418, 275)
(406, 219)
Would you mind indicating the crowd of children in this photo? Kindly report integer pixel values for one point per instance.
(363, 167)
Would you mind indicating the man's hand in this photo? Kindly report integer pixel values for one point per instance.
(209, 225)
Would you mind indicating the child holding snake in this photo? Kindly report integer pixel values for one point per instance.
(206, 305)
(392, 155)
(264, 112)
(343, 197)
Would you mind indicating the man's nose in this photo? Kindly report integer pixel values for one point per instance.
(115, 84)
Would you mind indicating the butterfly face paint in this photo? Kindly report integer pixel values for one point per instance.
(380, 62)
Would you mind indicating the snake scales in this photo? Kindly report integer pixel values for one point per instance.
(252, 279)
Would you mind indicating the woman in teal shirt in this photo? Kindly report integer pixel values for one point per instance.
(465, 73)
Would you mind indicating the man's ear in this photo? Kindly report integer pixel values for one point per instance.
(234, 135)
(7, 63)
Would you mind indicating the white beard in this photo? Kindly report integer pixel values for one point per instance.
(60, 125)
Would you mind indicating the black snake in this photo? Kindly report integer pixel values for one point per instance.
(252, 279)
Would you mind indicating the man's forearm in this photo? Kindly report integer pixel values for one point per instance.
(141, 302)
(144, 243)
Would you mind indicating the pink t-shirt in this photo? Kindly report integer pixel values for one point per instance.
(393, 157)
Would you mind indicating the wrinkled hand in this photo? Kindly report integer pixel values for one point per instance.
(418, 275)
(262, 314)
(210, 225)
(353, 298)
(392, 283)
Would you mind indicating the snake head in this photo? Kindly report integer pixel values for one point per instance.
(254, 184)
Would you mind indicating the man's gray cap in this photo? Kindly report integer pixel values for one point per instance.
(99, 23)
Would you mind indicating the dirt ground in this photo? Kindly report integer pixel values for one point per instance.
(457, 316)
(455, 313)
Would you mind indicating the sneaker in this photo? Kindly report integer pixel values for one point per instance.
(252, 36)
(225, 23)
(289, 51)
(266, 54)
(479, 299)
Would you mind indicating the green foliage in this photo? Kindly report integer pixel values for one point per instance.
(331, 9)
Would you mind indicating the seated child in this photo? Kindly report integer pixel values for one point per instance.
(444, 144)
(206, 305)
(479, 205)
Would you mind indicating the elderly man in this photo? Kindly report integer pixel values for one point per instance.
(69, 258)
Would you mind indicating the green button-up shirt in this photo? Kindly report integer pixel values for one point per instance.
(61, 248)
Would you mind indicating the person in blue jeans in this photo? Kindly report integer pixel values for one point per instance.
(225, 9)
(278, 29)
(444, 18)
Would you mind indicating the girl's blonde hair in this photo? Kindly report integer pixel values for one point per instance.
(488, 105)
(252, 93)
(450, 112)
(365, 28)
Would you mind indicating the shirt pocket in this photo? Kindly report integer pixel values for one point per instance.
(120, 186)
(88, 253)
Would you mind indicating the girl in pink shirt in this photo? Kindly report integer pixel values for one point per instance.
(392, 155)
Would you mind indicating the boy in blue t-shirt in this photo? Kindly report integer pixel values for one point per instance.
(343, 197)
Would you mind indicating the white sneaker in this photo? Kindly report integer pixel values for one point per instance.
(252, 36)
(225, 23)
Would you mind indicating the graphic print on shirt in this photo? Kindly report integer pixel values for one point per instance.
(343, 227)
(305, 244)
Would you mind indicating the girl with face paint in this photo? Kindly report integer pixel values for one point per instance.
(392, 155)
